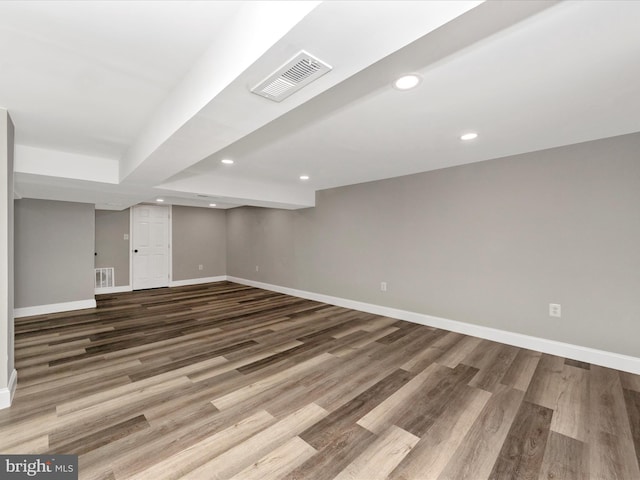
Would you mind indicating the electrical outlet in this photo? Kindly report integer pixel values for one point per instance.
(383, 286)
(555, 310)
(257, 268)
(200, 267)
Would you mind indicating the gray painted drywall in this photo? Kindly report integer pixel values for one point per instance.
(198, 238)
(111, 247)
(6, 248)
(490, 243)
(53, 252)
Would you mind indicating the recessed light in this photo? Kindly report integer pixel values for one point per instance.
(407, 82)
(159, 199)
(304, 177)
(469, 136)
(212, 204)
(227, 161)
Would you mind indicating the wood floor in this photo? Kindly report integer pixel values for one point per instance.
(224, 381)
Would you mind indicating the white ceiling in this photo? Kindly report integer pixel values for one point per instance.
(117, 103)
(84, 77)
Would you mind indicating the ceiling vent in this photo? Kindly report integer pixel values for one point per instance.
(298, 72)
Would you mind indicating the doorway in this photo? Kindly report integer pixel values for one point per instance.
(150, 247)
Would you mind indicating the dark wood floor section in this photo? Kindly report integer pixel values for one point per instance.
(224, 381)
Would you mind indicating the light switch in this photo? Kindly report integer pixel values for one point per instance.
(126, 236)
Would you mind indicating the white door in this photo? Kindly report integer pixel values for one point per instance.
(150, 243)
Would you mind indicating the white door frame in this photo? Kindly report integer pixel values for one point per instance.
(170, 239)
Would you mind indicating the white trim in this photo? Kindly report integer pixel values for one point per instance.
(54, 308)
(6, 394)
(131, 246)
(170, 242)
(103, 290)
(585, 354)
(172, 283)
(196, 281)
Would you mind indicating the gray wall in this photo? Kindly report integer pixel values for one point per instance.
(491, 243)
(199, 238)
(6, 248)
(53, 252)
(111, 247)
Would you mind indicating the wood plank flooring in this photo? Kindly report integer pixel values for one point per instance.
(224, 381)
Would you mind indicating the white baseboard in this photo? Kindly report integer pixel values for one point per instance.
(176, 283)
(54, 308)
(196, 281)
(103, 290)
(576, 352)
(6, 394)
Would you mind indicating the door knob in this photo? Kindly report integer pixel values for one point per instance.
(135, 251)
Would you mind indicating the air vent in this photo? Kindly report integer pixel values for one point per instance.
(104, 277)
(298, 72)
